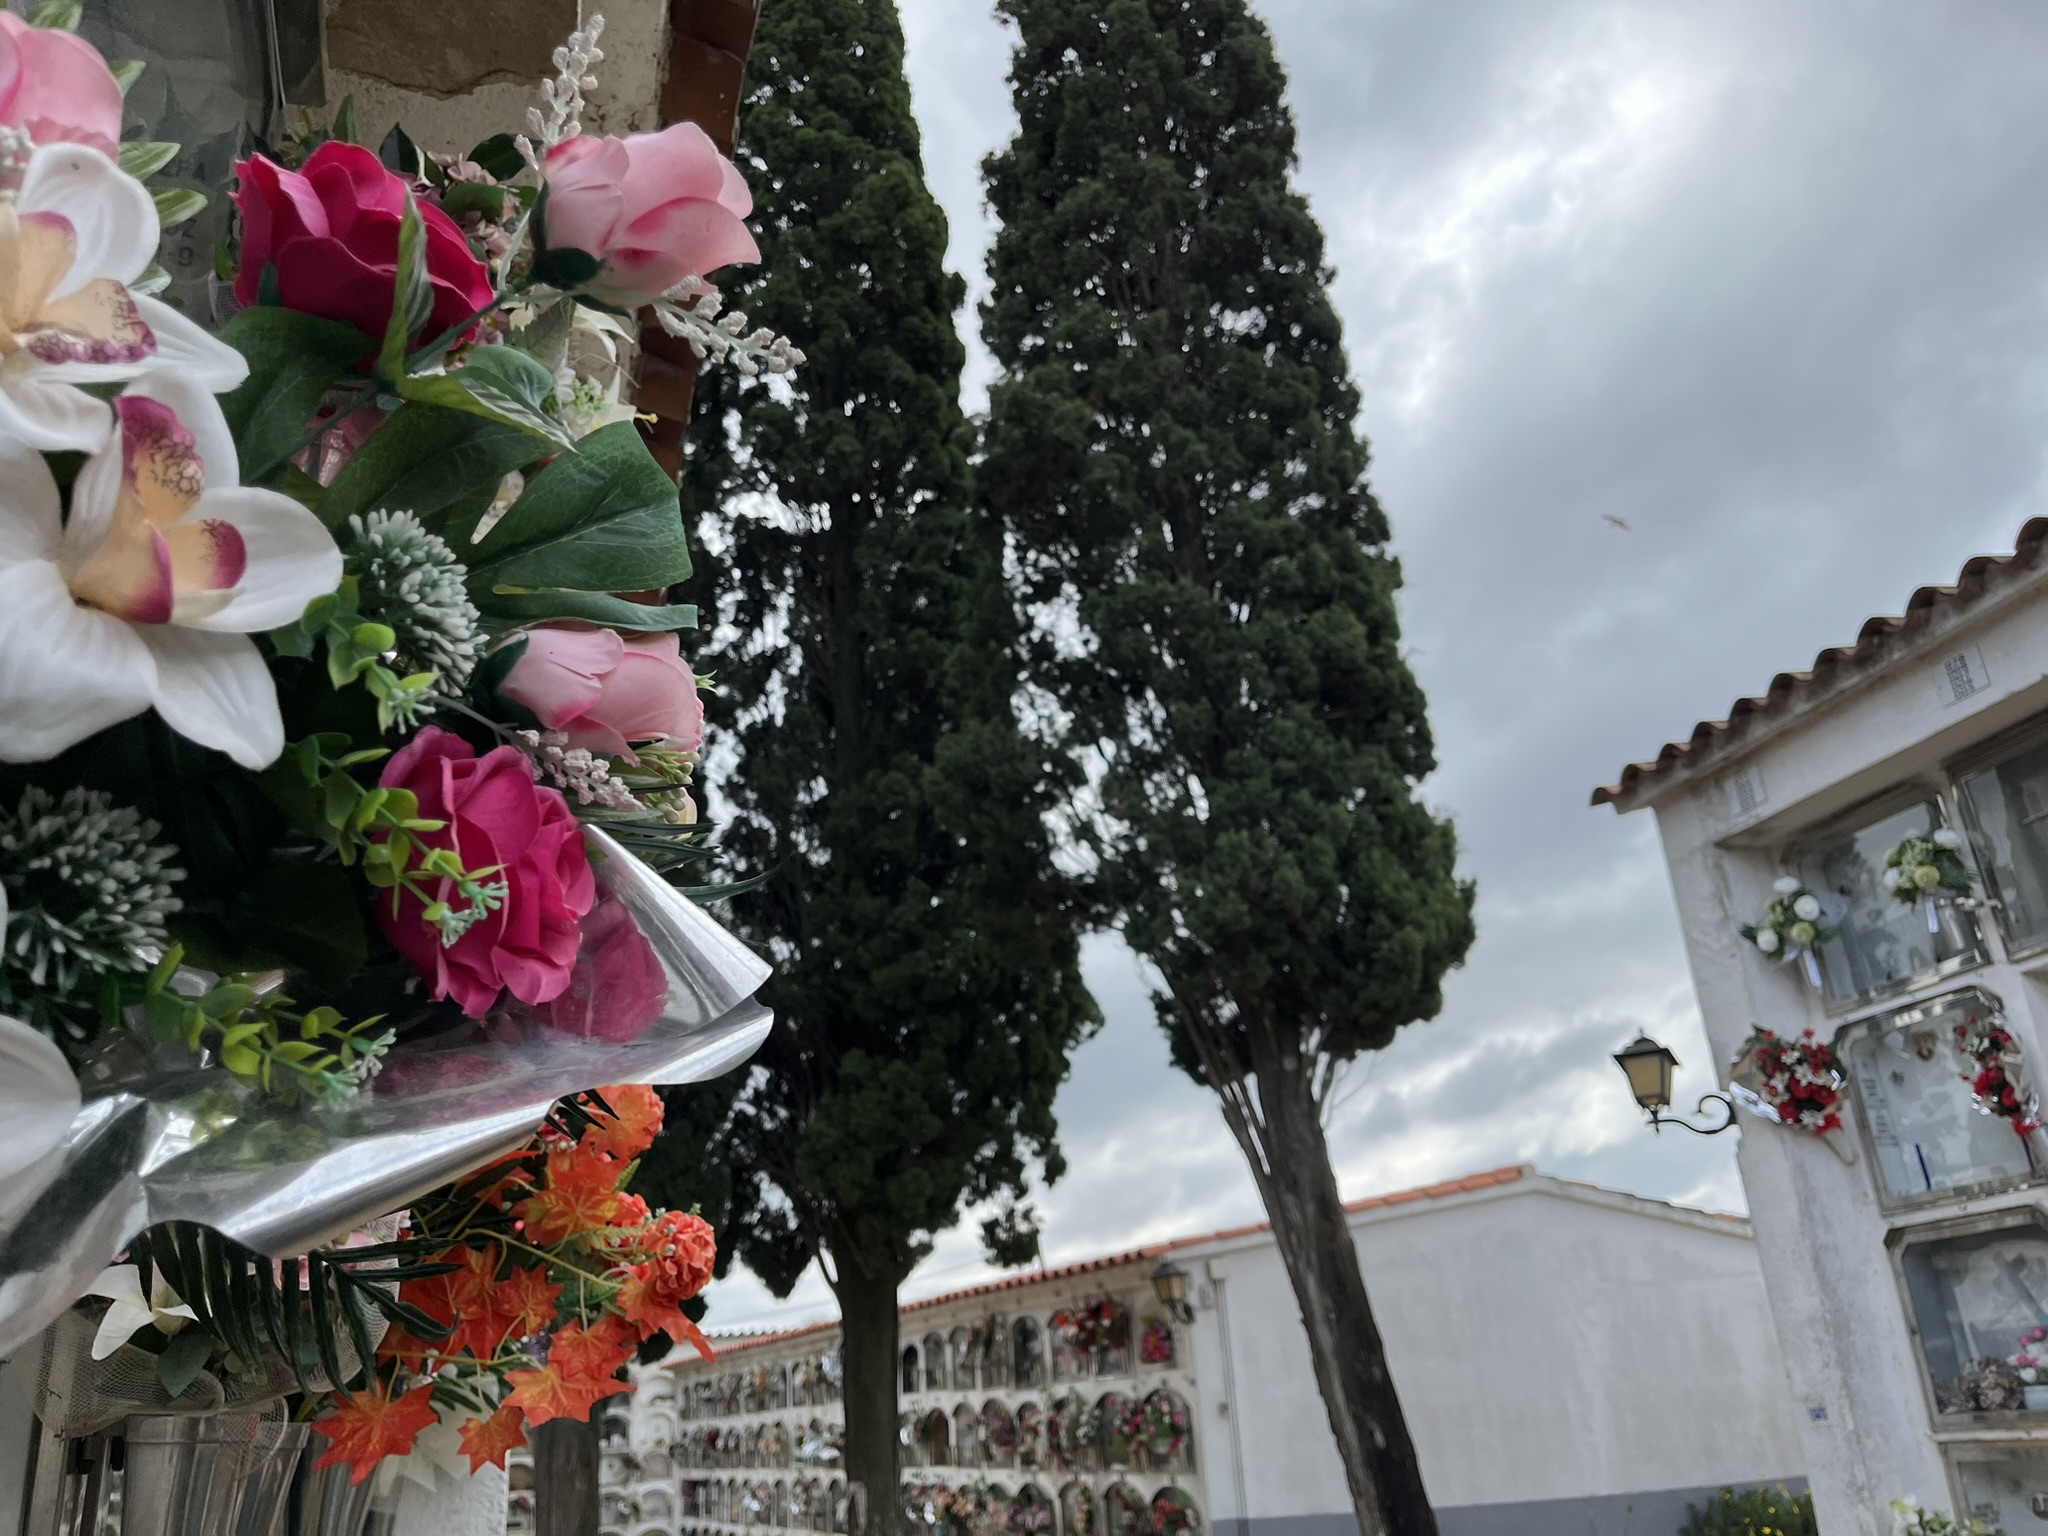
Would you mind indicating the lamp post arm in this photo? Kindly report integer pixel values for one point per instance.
(1658, 1120)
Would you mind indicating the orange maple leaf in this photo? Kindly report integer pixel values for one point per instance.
(578, 1375)
(581, 1194)
(482, 1318)
(630, 1129)
(528, 1301)
(485, 1441)
(369, 1425)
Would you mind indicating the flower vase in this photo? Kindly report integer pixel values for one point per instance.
(325, 1501)
(219, 1474)
(2034, 1399)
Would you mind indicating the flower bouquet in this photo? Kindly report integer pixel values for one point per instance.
(1791, 927)
(1157, 1423)
(1923, 869)
(346, 741)
(1914, 1520)
(1095, 1326)
(1174, 1517)
(1994, 1086)
(1155, 1342)
(1791, 1082)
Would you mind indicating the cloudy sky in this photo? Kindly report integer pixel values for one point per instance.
(1769, 283)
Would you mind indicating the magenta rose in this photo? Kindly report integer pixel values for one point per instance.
(653, 208)
(496, 816)
(331, 231)
(604, 691)
(56, 88)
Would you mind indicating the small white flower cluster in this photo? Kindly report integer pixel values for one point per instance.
(574, 770)
(411, 580)
(563, 95)
(85, 888)
(1804, 908)
(1915, 875)
(727, 339)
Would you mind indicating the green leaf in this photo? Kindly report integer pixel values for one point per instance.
(443, 466)
(326, 1326)
(154, 280)
(546, 337)
(62, 15)
(174, 205)
(604, 520)
(143, 158)
(499, 155)
(412, 300)
(595, 607)
(474, 197)
(565, 268)
(126, 72)
(294, 360)
(399, 154)
(344, 127)
(184, 1358)
(499, 384)
(306, 913)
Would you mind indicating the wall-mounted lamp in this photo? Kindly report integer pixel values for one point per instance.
(1648, 1066)
(1170, 1285)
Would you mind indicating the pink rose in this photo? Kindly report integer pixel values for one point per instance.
(331, 231)
(496, 815)
(55, 86)
(653, 208)
(605, 691)
(618, 986)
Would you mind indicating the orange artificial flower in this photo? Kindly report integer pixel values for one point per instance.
(485, 1441)
(630, 1129)
(579, 1374)
(528, 1301)
(369, 1425)
(581, 1194)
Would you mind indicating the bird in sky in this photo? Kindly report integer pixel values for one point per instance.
(1619, 522)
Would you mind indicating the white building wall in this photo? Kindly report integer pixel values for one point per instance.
(1552, 1346)
(1889, 721)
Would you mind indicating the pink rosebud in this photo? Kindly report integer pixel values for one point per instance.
(55, 87)
(653, 208)
(605, 691)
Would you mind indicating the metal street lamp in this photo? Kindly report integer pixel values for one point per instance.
(1648, 1066)
(1170, 1285)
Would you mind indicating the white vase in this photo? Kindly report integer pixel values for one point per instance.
(2036, 1398)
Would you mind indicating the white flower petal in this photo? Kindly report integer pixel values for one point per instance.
(194, 355)
(199, 413)
(118, 1327)
(38, 1093)
(292, 560)
(216, 690)
(31, 515)
(119, 1282)
(111, 213)
(65, 671)
(44, 413)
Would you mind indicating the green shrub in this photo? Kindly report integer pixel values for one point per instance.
(1773, 1511)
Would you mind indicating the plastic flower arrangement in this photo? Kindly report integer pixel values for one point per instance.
(1157, 1423)
(1799, 1082)
(1994, 1086)
(346, 737)
(1921, 870)
(1791, 927)
(1098, 1325)
(2030, 1362)
(1171, 1517)
(1155, 1342)
(1915, 1520)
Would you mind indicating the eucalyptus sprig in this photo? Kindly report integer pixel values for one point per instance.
(356, 652)
(259, 1037)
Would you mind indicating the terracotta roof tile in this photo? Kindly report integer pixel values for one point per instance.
(1926, 604)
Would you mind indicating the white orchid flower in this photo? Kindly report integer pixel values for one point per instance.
(122, 1285)
(1785, 885)
(72, 239)
(38, 1093)
(147, 594)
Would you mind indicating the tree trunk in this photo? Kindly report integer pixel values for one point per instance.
(565, 1468)
(1314, 1238)
(867, 1313)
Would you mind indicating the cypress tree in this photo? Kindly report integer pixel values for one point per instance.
(927, 988)
(1172, 446)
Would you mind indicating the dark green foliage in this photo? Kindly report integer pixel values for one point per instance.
(1773, 1511)
(1173, 443)
(927, 989)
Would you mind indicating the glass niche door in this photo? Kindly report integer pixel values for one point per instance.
(1912, 1087)
(1978, 1291)
(1881, 946)
(2006, 1487)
